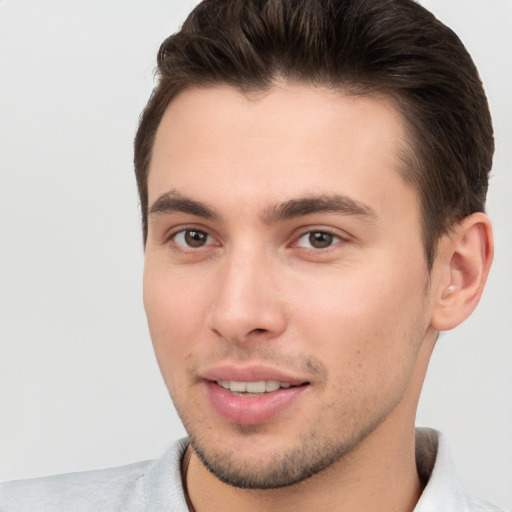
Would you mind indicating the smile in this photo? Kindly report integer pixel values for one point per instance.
(253, 388)
(252, 402)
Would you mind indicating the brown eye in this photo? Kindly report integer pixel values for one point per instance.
(318, 240)
(192, 238)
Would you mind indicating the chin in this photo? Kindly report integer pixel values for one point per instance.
(256, 467)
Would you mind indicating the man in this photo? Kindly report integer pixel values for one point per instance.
(312, 179)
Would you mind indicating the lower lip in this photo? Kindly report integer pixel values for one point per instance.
(251, 410)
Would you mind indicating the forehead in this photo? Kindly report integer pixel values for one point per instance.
(289, 140)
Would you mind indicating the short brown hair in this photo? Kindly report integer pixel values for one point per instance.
(392, 47)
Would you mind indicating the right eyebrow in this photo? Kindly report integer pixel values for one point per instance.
(173, 201)
(330, 203)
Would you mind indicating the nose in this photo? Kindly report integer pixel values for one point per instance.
(247, 303)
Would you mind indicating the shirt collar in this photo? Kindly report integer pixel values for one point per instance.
(435, 467)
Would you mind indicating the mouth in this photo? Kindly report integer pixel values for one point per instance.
(253, 402)
(255, 388)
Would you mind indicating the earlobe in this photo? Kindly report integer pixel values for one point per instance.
(464, 260)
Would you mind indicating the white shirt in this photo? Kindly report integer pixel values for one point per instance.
(155, 486)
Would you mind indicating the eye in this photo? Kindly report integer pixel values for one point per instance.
(192, 238)
(318, 240)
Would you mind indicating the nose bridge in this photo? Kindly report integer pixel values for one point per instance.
(245, 303)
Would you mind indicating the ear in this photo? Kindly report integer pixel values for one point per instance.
(463, 262)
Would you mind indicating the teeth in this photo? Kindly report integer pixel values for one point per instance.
(255, 387)
(238, 386)
(261, 386)
(271, 385)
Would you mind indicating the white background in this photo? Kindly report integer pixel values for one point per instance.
(79, 385)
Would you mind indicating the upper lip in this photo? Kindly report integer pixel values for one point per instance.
(250, 373)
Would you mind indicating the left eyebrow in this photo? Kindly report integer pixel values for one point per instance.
(330, 203)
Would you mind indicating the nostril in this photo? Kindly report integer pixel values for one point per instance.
(258, 331)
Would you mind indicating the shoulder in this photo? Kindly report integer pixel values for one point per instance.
(105, 489)
(479, 505)
(123, 488)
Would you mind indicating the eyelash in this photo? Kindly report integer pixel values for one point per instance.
(338, 238)
(183, 247)
(171, 238)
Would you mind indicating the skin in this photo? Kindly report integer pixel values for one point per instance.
(356, 317)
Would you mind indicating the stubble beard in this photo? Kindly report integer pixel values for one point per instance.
(314, 453)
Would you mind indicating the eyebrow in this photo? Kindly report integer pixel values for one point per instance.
(173, 201)
(329, 203)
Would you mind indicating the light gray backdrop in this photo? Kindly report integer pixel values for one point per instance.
(79, 386)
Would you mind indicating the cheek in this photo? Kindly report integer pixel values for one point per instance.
(175, 313)
(364, 323)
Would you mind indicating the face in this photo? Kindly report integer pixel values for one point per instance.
(285, 281)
